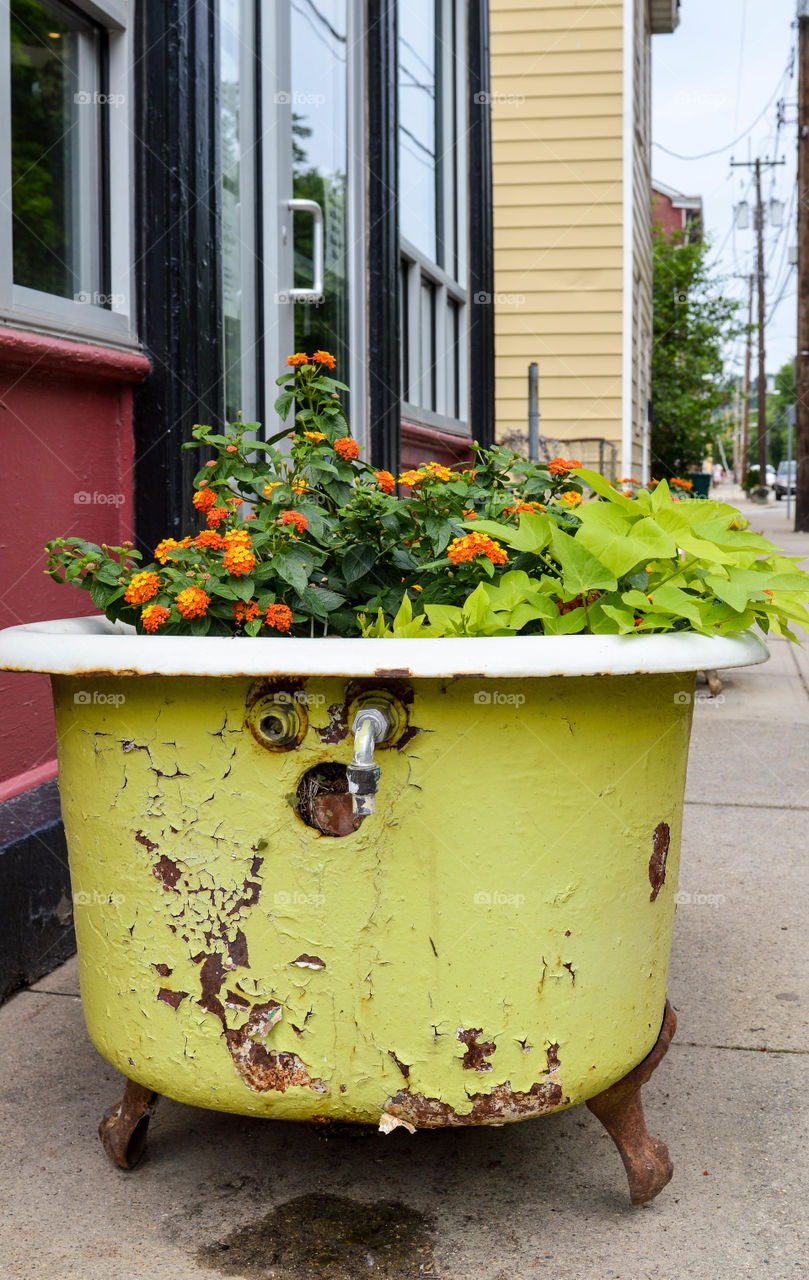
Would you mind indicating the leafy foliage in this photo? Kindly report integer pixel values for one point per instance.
(312, 540)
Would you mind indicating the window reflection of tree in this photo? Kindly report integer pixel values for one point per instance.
(42, 90)
(323, 325)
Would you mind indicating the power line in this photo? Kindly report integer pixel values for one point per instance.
(705, 155)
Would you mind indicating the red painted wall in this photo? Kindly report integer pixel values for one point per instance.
(67, 452)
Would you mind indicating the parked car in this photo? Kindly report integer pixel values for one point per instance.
(784, 481)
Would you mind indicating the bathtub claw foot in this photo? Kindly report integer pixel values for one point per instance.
(124, 1127)
(620, 1110)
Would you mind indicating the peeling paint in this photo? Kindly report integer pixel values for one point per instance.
(475, 1058)
(309, 962)
(174, 998)
(657, 863)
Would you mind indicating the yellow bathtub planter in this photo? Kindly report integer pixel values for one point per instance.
(490, 944)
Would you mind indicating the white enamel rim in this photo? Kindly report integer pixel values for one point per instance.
(96, 646)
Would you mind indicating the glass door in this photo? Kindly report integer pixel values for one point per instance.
(293, 209)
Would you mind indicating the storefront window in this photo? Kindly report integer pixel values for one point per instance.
(56, 170)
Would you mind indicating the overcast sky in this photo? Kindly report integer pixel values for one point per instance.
(711, 81)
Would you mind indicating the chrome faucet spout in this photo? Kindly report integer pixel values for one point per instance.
(371, 725)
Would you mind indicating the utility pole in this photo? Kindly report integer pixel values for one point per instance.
(802, 355)
(758, 164)
(748, 355)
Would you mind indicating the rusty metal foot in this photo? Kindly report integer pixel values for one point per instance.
(124, 1127)
(620, 1110)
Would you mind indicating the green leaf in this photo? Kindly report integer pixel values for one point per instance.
(283, 404)
(329, 599)
(581, 571)
(356, 561)
(621, 543)
(294, 565)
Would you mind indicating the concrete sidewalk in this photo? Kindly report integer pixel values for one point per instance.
(538, 1199)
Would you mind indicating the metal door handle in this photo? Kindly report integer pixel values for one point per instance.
(315, 294)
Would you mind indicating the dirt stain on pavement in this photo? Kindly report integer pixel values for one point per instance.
(330, 1238)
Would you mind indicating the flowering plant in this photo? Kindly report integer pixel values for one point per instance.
(309, 539)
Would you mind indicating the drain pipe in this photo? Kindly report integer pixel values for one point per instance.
(371, 725)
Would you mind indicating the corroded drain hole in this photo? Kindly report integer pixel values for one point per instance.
(324, 803)
(330, 1237)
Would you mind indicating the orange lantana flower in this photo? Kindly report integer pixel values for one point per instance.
(164, 549)
(204, 499)
(239, 560)
(153, 615)
(385, 481)
(324, 357)
(278, 616)
(293, 517)
(216, 515)
(209, 538)
(347, 447)
(142, 587)
(246, 612)
(476, 544)
(192, 602)
(300, 357)
(558, 466)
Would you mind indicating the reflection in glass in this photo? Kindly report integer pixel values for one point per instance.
(427, 379)
(55, 150)
(229, 121)
(319, 167)
(418, 124)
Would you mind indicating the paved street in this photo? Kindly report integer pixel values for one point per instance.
(540, 1199)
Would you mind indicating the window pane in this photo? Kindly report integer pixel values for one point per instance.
(404, 327)
(426, 396)
(230, 41)
(55, 119)
(319, 170)
(453, 359)
(417, 124)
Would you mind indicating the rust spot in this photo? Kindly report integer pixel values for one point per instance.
(211, 978)
(174, 998)
(305, 961)
(553, 1057)
(323, 801)
(392, 682)
(264, 1069)
(163, 970)
(337, 728)
(251, 890)
(334, 815)
(393, 673)
(166, 871)
(403, 1067)
(498, 1107)
(236, 1001)
(657, 863)
(475, 1058)
(237, 950)
(267, 686)
(145, 841)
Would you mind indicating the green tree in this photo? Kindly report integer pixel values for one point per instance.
(692, 322)
(777, 404)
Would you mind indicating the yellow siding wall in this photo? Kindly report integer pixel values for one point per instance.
(557, 128)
